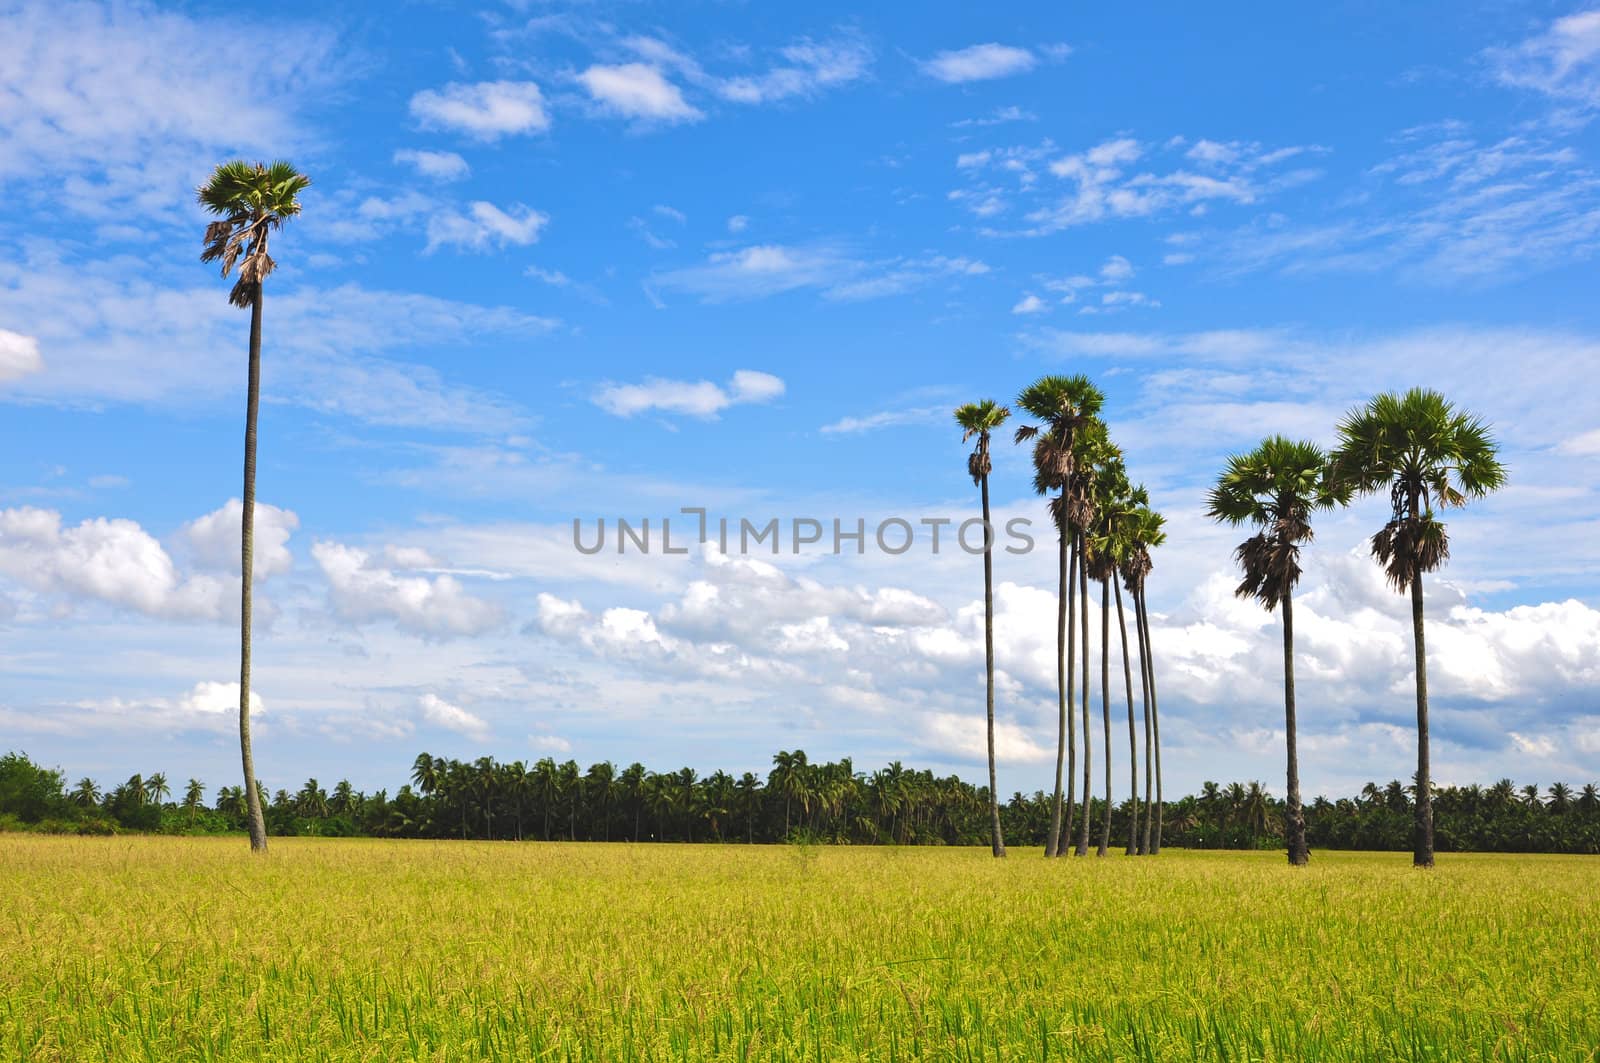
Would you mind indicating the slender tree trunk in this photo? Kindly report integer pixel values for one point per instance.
(1149, 744)
(1155, 722)
(997, 842)
(1294, 815)
(1088, 735)
(1105, 708)
(1133, 742)
(257, 822)
(1423, 854)
(1052, 840)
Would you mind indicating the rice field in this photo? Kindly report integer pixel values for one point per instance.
(140, 948)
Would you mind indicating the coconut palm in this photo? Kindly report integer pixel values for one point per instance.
(980, 419)
(86, 794)
(193, 795)
(156, 788)
(1063, 405)
(601, 785)
(1275, 489)
(1427, 453)
(250, 202)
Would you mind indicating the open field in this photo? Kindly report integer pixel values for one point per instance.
(165, 949)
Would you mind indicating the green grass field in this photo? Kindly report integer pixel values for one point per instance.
(176, 949)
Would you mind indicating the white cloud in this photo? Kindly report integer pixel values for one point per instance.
(700, 398)
(438, 165)
(1563, 61)
(770, 269)
(442, 713)
(980, 62)
(810, 67)
(738, 223)
(96, 115)
(1586, 444)
(485, 225)
(487, 110)
(19, 355)
(634, 90)
(550, 743)
(210, 698)
(114, 336)
(362, 591)
(885, 419)
(114, 561)
(214, 539)
(1029, 304)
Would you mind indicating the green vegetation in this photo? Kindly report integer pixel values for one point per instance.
(799, 801)
(175, 949)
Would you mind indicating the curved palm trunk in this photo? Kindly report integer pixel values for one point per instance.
(1105, 708)
(1052, 844)
(1133, 743)
(1294, 816)
(1423, 854)
(257, 822)
(1088, 739)
(997, 843)
(1149, 744)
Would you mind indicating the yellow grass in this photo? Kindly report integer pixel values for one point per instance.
(177, 949)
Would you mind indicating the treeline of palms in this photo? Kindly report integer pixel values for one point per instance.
(797, 801)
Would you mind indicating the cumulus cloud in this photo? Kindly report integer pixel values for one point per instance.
(980, 62)
(114, 561)
(487, 110)
(364, 591)
(698, 398)
(19, 355)
(438, 165)
(485, 225)
(214, 539)
(635, 90)
(442, 713)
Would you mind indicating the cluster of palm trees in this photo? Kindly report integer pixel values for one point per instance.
(1429, 456)
(1106, 530)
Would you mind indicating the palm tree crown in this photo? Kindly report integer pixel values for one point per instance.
(979, 419)
(252, 201)
(1428, 454)
(1275, 488)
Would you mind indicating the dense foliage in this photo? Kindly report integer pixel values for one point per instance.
(797, 801)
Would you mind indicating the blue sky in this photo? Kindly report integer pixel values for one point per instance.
(600, 260)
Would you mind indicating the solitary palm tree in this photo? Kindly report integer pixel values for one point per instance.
(1427, 453)
(250, 202)
(1063, 404)
(1275, 489)
(980, 419)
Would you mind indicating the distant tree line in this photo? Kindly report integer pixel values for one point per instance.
(797, 801)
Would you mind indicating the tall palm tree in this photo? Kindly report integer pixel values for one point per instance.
(1093, 452)
(86, 794)
(601, 784)
(1427, 453)
(1111, 490)
(632, 779)
(249, 203)
(1145, 534)
(1062, 404)
(980, 419)
(1275, 489)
